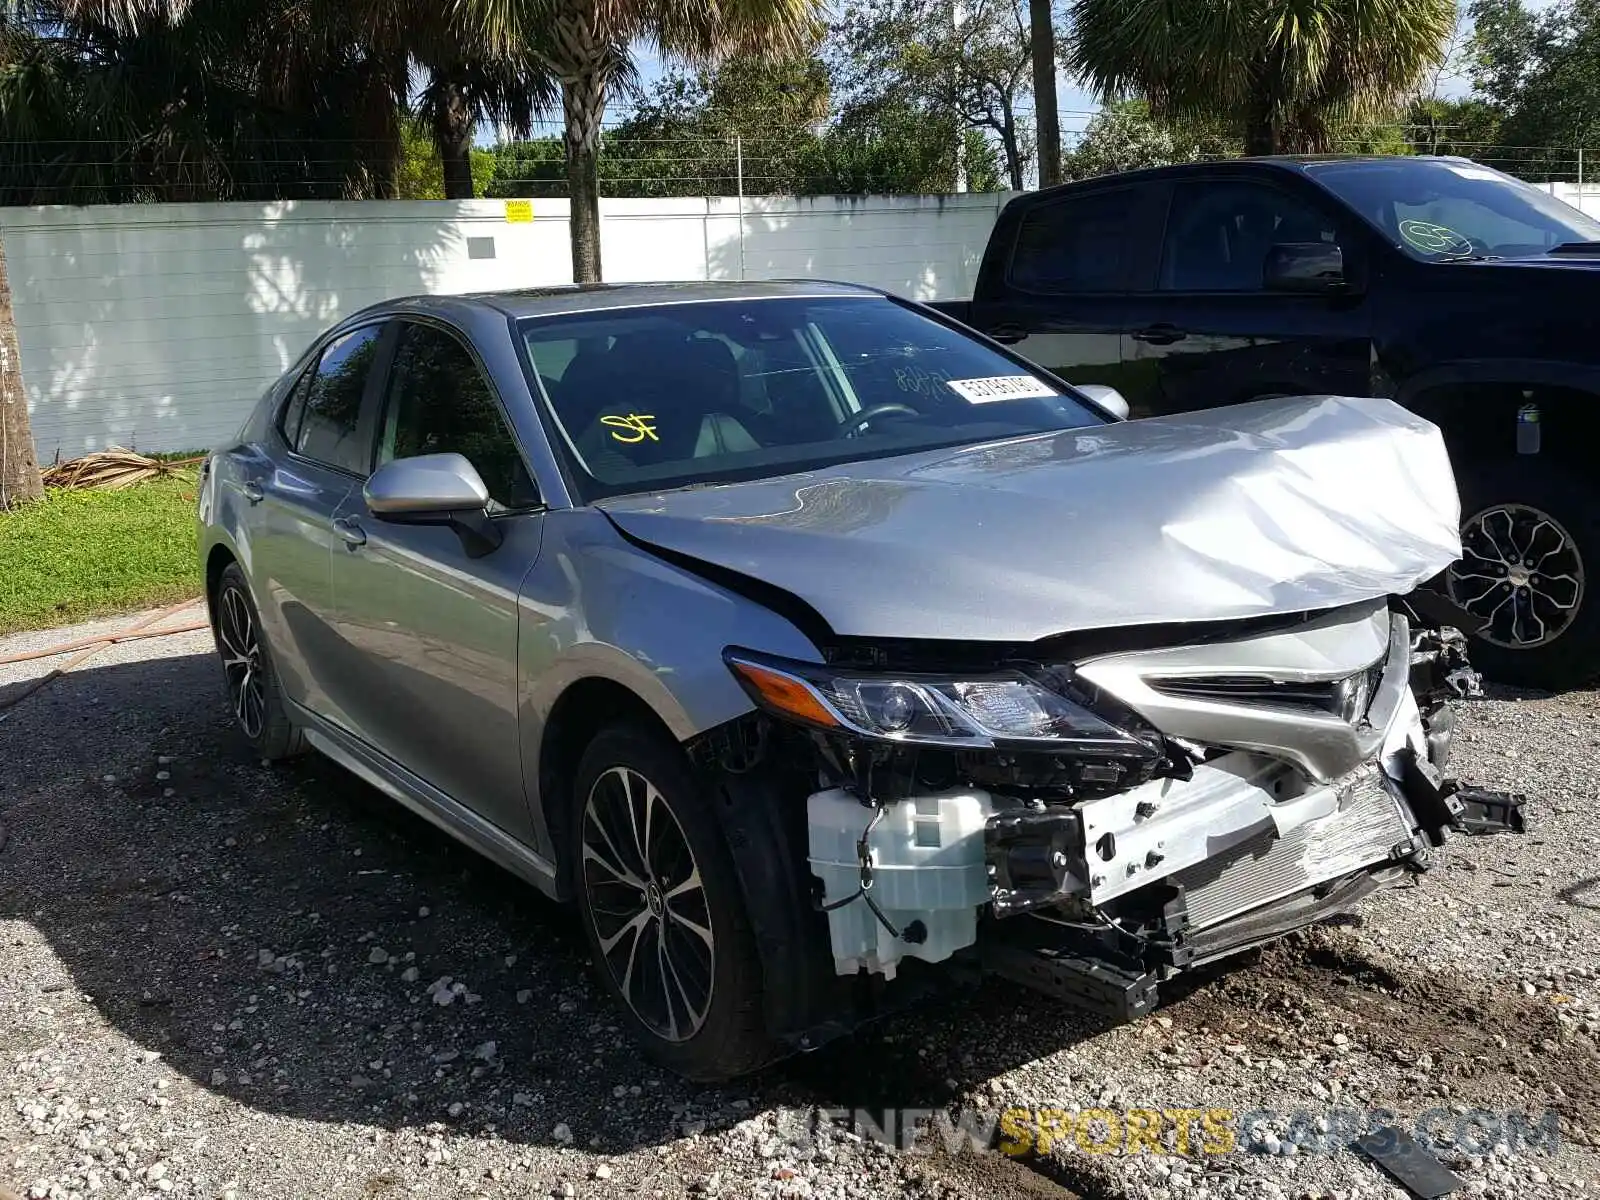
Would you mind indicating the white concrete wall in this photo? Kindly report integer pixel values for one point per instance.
(1586, 198)
(157, 326)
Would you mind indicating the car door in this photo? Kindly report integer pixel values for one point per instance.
(294, 483)
(1210, 333)
(1076, 262)
(431, 631)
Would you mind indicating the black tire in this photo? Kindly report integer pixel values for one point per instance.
(704, 1037)
(254, 691)
(1544, 629)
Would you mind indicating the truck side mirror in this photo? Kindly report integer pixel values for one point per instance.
(1305, 267)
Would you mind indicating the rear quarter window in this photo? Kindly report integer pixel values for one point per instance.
(1077, 244)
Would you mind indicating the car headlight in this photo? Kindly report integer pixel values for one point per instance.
(968, 710)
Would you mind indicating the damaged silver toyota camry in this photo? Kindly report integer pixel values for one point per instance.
(823, 652)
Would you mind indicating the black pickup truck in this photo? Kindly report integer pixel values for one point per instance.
(1468, 296)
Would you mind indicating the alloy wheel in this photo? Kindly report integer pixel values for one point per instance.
(648, 904)
(1520, 573)
(241, 661)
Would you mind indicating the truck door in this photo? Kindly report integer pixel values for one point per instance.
(1065, 297)
(1210, 333)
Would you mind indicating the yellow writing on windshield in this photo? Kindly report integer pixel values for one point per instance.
(633, 428)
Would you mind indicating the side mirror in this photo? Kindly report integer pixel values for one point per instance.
(1305, 267)
(1107, 397)
(435, 489)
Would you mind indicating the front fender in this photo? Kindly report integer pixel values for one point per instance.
(596, 607)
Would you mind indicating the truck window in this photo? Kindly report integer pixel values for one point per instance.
(1079, 244)
(1218, 234)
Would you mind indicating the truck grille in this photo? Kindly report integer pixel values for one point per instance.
(1366, 827)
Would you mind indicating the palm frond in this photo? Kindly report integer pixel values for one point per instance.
(113, 469)
(1302, 65)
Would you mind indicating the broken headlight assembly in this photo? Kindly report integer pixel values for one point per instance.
(959, 711)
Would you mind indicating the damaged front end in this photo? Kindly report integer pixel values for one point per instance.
(1089, 818)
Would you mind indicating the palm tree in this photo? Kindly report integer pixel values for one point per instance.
(464, 78)
(1041, 19)
(1283, 72)
(587, 46)
(215, 99)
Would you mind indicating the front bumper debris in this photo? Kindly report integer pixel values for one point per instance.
(1096, 901)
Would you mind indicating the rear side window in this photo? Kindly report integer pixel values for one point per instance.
(326, 406)
(1080, 244)
(295, 409)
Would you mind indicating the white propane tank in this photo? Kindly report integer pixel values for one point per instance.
(927, 866)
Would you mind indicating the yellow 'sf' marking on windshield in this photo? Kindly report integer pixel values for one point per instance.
(633, 428)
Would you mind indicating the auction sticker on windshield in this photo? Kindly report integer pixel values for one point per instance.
(999, 387)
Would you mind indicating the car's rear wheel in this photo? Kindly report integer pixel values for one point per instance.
(1530, 538)
(662, 907)
(252, 682)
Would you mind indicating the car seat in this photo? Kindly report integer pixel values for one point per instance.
(655, 397)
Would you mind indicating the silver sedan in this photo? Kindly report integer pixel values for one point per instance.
(816, 646)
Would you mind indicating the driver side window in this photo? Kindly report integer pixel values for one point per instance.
(1218, 234)
(438, 403)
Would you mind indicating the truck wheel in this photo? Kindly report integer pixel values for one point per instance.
(662, 908)
(1530, 536)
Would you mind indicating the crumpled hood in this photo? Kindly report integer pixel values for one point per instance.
(1276, 506)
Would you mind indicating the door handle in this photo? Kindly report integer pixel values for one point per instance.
(352, 533)
(1008, 335)
(250, 489)
(1159, 335)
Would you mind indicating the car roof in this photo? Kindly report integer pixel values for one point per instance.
(1295, 163)
(578, 298)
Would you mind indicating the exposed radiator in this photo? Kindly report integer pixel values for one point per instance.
(1367, 826)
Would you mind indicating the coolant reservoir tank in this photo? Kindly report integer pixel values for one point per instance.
(927, 870)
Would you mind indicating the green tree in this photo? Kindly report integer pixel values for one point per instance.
(1286, 74)
(693, 132)
(1541, 71)
(421, 171)
(675, 147)
(536, 168)
(587, 45)
(1467, 127)
(1505, 37)
(1123, 136)
(890, 150)
(127, 100)
(218, 99)
(909, 55)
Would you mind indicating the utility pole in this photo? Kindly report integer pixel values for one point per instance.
(738, 158)
(958, 18)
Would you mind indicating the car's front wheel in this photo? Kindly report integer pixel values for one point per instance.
(1530, 536)
(662, 907)
(252, 682)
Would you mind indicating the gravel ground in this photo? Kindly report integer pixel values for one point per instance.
(224, 980)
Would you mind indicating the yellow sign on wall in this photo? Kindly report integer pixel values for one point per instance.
(519, 211)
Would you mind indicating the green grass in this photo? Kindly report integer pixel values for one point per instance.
(80, 554)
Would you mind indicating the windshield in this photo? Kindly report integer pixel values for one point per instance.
(660, 397)
(1436, 209)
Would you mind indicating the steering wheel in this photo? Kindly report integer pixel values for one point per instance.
(867, 415)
